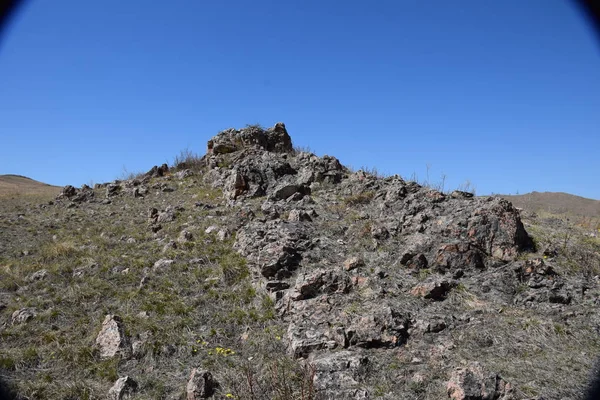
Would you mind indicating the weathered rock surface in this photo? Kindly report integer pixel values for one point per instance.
(338, 375)
(123, 389)
(38, 275)
(471, 383)
(275, 139)
(111, 339)
(201, 385)
(408, 230)
(23, 315)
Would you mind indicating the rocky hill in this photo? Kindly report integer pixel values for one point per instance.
(261, 272)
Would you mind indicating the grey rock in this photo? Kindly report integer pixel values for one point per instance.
(472, 383)
(235, 185)
(201, 385)
(185, 236)
(23, 315)
(459, 194)
(320, 282)
(382, 328)
(38, 275)
(211, 229)
(338, 375)
(434, 290)
(157, 171)
(123, 389)
(162, 264)
(112, 190)
(275, 139)
(284, 191)
(353, 263)
(299, 216)
(223, 234)
(111, 339)
(459, 255)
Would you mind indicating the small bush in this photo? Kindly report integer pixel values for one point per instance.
(303, 149)
(187, 159)
(359, 198)
(56, 250)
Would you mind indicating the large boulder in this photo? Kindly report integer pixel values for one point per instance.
(275, 139)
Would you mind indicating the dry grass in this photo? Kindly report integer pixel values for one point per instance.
(564, 204)
(17, 186)
(194, 307)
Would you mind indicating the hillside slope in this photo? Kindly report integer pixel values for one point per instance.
(17, 185)
(557, 203)
(259, 272)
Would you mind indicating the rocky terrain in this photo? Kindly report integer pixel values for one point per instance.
(262, 272)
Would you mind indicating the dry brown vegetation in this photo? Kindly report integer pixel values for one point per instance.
(583, 211)
(16, 185)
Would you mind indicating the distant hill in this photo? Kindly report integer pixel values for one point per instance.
(557, 203)
(14, 185)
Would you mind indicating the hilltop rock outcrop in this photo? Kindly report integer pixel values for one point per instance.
(378, 287)
(315, 211)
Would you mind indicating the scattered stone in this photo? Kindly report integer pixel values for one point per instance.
(434, 290)
(235, 185)
(379, 233)
(299, 215)
(223, 235)
(353, 263)
(416, 261)
(459, 194)
(275, 286)
(185, 236)
(211, 229)
(23, 315)
(337, 375)
(471, 383)
(157, 171)
(201, 385)
(112, 340)
(112, 190)
(320, 282)
(38, 275)
(123, 389)
(384, 327)
(284, 191)
(460, 255)
(162, 264)
(68, 191)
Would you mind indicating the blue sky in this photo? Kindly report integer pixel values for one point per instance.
(504, 94)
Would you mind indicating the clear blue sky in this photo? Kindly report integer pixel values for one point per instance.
(505, 94)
